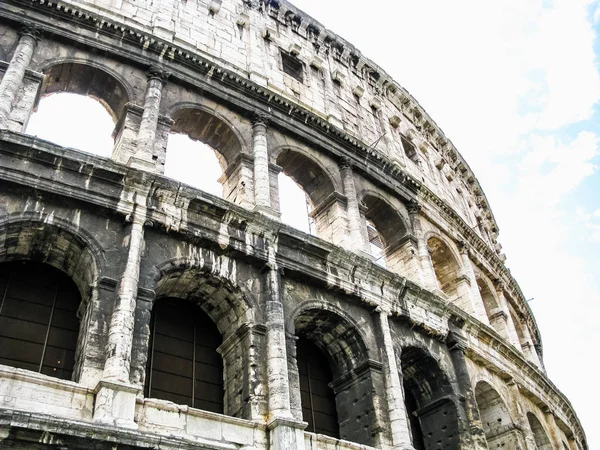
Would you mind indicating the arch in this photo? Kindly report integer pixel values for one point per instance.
(307, 173)
(210, 128)
(488, 296)
(429, 398)
(58, 242)
(207, 281)
(388, 222)
(354, 375)
(445, 265)
(334, 333)
(38, 318)
(495, 417)
(88, 78)
(184, 365)
(540, 436)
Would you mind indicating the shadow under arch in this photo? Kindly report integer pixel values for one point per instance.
(89, 79)
(498, 425)
(430, 400)
(446, 265)
(540, 435)
(390, 228)
(354, 377)
(307, 173)
(206, 126)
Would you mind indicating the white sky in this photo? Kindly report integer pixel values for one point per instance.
(515, 85)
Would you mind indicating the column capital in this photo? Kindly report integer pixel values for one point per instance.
(384, 310)
(345, 163)
(30, 29)
(499, 285)
(463, 247)
(156, 72)
(259, 119)
(413, 207)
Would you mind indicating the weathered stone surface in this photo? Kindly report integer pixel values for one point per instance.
(441, 339)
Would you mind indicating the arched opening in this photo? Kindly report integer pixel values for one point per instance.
(446, 267)
(183, 365)
(328, 341)
(542, 441)
(304, 191)
(193, 163)
(39, 326)
(209, 309)
(489, 300)
(317, 397)
(200, 148)
(386, 232)
(79, 108)
(428, 397)
(73, 255)
(497, 424)
(295, 206)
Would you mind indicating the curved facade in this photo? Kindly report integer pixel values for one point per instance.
(205, 322)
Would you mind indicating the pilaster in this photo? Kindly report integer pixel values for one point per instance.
(285, 431)
(13, 77)
(478, 309)
(427, 273)
(474, 436)
(394, 392)
(357, 242)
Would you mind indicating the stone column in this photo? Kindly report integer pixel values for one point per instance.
(146, 158)
(394, 392)
(552, 428)
(521, 422)
(13, 77)
(513, 338)
(472, 426)
(262, 188)
(115, 396)
(529, 348)
(357, 243)
(427, 275)
(476, 300)
(285, 432)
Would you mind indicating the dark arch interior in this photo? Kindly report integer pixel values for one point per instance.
(183, 365)
(204, 127)
(307, 174)
(38, 318)
(318, 398)
(89, 81)
(334, 336)
(542, 441)
(386, 220)
(415, 426)
(489, 301)
(429, 399)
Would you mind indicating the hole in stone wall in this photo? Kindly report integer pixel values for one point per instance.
(76, 121)
(292, 66)
(194, 163)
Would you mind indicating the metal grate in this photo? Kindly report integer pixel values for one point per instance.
(38, 319)
(317, 398)
(184, 366)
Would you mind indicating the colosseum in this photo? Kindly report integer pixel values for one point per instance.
(137, 312)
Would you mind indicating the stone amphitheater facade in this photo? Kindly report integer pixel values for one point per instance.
(115, 279)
